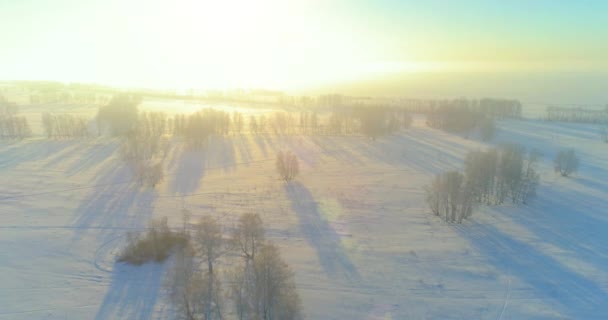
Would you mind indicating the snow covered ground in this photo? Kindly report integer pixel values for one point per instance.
(353, 225)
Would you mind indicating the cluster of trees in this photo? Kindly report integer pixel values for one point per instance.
(144, 144)
(64, 126)
(490, 177)
(12, 126)
(196, 128)
(287, 165)
(119, 116)
(152, 123)
(507, 173)
(450, 197)
(145, 147)
(260, 285)
(577, 114)
(464, 116)
(454, 118)
(378, 121)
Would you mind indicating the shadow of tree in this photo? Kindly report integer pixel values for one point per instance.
(133, 292)
(577, 295)
(243, 144)
(28, 151)
(560, 218)
(96, 154)
(320, 235)
(417, 148)
(189, 169)
(116, 202)
(261, 142)
(220, 153)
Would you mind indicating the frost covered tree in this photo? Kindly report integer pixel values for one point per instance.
(210, 246)
(247, 239)
(566, 162)
(64, 126)
(119, 116)
(186, 285)
(275, 295)
(248, 235)
(287, 165)
(450, 197)
(501, 174)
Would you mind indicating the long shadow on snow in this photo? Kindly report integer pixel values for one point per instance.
(416, 148)
(133, 292)
(188, 165)
(117, 202)
(220, 153)
(580, 297)
(569, 220)
(261, 142)
(64, 155)
(95, 155)
(27, 151)
(243, 145)
(189, 171)
(319, 233)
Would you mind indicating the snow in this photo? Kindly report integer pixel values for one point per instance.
(353, 225)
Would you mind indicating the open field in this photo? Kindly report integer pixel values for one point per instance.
(353, 225)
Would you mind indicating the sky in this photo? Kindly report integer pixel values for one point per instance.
(298, 44)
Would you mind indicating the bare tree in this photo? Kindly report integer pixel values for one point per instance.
(275, 291)
(450, 197)
(241, 290)
(186, 285)
(287, 165)
(210, 246)
(566, 162)
(248, 236)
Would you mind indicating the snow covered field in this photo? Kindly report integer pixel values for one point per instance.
(353, 225)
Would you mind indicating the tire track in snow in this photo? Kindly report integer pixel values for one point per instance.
(101, 250)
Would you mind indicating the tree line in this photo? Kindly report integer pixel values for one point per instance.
(577, 114)
(489, 107)
(64, 126)
(12, 126)
(508, 173)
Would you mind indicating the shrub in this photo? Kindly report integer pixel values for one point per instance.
(566, 162)
(154, 245)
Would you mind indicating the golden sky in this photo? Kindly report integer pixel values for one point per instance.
(293, 44)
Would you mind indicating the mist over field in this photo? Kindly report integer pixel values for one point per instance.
(547, 88)
(305, 159)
